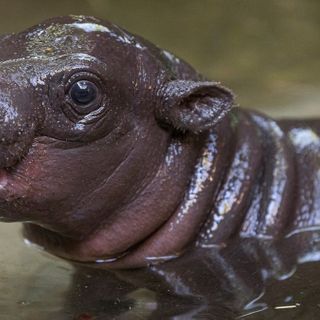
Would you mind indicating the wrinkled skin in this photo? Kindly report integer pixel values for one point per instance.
(156, 162)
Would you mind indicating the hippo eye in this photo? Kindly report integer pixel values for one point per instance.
(83, 92)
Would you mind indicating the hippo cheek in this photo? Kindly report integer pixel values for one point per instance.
(45, 186)
(68, 187)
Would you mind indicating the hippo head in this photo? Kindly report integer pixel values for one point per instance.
(87, 113)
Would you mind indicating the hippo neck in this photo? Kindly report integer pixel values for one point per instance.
(272, 185)
(184, 220)
(256, 196)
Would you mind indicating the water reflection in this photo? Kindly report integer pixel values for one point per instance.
(250, 279)
(211, 283)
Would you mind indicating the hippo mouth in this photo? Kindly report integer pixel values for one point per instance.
(3, 177)
(9, 193)
(15, 176)
(12, 155)
(8, 170)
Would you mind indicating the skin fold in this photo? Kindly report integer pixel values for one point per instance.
(118, 154)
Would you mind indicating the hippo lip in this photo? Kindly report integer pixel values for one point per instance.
(6, 174)
(8, 184)
(3, 177)
(15, 155)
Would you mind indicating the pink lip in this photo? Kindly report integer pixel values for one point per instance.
(3, 178)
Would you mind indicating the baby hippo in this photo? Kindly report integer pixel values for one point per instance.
(116, 153)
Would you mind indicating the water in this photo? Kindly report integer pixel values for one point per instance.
(247, 280)
(268, 53)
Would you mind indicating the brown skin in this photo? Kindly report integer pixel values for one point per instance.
(126, 169)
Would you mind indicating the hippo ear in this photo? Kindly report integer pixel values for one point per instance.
(194, 106)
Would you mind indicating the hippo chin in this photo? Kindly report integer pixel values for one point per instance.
(117, 152)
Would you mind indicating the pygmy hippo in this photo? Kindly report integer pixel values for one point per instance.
(119, 154)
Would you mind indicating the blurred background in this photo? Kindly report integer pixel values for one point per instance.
(266, 51)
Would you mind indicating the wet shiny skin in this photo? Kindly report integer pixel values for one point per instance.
(157, 164)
